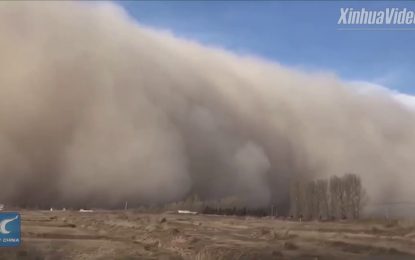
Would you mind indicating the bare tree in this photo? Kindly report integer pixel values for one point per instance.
(337, 198)
(298, 199)
(354, 194)
(312, 201)
(322, 198)
(294, 198)
(346, 196)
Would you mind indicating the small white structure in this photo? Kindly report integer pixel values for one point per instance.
(187, 212)
(86, 210)
(1, 206)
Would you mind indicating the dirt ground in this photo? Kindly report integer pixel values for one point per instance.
(132, 235)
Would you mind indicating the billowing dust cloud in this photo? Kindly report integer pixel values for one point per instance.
(96, 109)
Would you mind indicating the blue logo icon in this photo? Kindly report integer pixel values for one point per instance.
(9, 229)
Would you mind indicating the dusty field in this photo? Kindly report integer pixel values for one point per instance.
(129, 235)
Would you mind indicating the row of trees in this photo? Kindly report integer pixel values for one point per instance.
(324, 199)
(231, 206)
(236, 211)
(334, 198)
(194, 203)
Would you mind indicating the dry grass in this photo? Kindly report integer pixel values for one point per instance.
(132, 235)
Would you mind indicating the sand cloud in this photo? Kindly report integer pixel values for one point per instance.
(96, 109)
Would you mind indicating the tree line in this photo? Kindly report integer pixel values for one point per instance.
(327, 199)
(323, 199)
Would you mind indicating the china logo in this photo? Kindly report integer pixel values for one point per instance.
(9, 229)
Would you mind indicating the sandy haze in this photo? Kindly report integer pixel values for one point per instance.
(96, 109)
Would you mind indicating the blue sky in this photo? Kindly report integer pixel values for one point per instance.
(297, 34)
